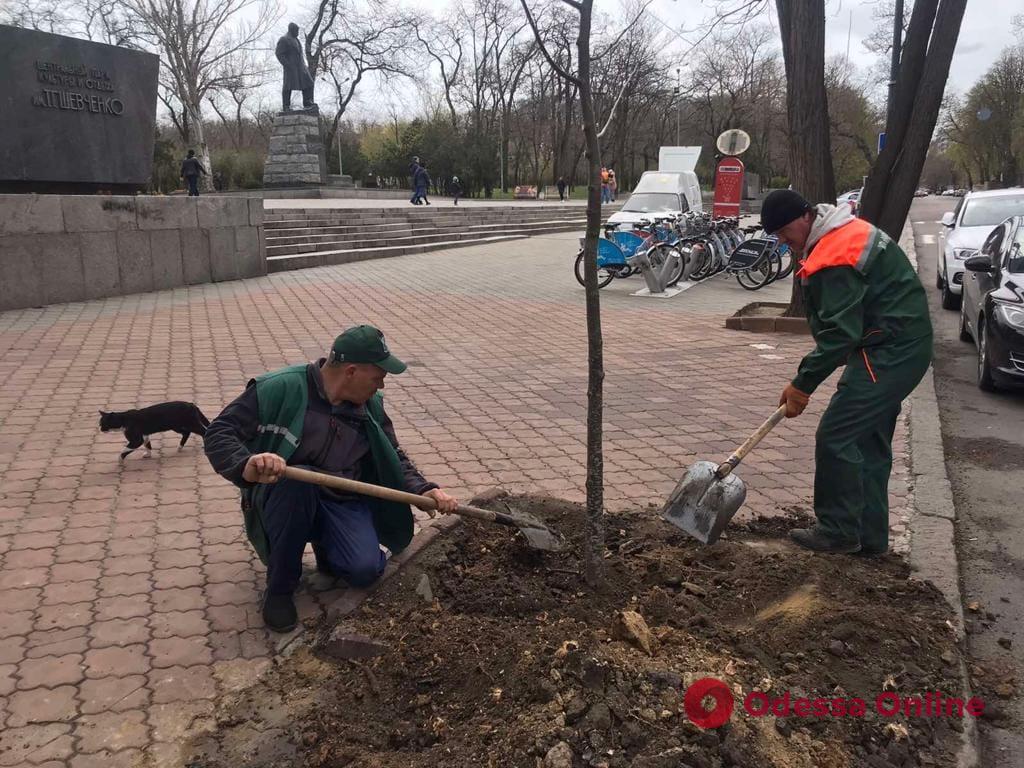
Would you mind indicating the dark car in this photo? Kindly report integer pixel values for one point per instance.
(992, 312)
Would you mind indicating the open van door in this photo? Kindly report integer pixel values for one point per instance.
(678, 158)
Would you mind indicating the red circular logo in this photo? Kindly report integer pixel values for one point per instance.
(693, 703)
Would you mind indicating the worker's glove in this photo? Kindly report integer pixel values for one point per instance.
(794, 400)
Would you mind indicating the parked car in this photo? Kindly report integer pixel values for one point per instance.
(965, 229)
(992, 312)
(921, 192)
(852, 198)
(948, 192)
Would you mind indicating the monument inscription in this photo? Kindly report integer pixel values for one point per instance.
(81, 114)
(81, 78)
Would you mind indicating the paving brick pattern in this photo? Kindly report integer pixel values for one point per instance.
(128, 596)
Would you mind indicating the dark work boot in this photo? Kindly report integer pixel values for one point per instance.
(815, 539)
(862, 552)
(279, 612)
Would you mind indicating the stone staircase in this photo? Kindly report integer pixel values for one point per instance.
(313, 237)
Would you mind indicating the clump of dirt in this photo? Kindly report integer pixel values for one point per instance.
(515, 662)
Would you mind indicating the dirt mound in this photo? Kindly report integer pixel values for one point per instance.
(515, 662)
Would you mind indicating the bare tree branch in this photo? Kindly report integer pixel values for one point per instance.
(543, 48)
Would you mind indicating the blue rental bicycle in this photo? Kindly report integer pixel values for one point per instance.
(618, 246)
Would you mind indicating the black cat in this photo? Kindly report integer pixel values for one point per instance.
(176, 416)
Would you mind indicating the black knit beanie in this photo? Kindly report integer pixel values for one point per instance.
(781, 207)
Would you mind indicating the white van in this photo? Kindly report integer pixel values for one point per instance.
(671, 189)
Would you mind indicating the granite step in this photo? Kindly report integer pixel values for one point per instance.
(286, 263)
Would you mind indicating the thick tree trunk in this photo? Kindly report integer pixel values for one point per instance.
(802, 24)
(201, 147)
(593, 556)
(920, 86)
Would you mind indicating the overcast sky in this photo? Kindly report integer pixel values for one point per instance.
(985, 32)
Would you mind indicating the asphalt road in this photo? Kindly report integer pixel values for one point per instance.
(983, 437)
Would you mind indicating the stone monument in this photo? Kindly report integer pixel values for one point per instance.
(296, 156)
(78, 117)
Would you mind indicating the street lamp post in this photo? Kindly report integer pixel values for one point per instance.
(894, 64)
(678, 104)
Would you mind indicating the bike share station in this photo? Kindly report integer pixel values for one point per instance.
(675, 246)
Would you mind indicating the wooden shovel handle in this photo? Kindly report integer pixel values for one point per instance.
(740, 453)
(388, 494)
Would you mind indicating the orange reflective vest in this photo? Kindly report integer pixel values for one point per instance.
(850, 245)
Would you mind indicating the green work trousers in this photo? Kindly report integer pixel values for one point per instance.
(853, 449)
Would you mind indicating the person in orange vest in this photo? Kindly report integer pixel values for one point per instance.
(868, 312)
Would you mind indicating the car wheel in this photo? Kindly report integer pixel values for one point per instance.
(985, 381)
(950, 300)
(965, 332)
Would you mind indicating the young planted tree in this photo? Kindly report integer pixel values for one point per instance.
(593, 555)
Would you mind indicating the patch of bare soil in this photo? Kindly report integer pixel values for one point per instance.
(762, 309)
(514, 662)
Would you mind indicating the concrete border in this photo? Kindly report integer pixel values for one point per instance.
(933, 554)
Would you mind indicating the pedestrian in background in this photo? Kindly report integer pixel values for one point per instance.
(561, 188)
(190, 170)
(455, 187)
(613, 185)
(414, 168)
(421, 181)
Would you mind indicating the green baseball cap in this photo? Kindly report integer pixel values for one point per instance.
(365, 344)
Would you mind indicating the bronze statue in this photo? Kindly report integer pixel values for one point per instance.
(296, 75)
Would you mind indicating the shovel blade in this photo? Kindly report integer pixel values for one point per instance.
(702, 504)
(541, 538)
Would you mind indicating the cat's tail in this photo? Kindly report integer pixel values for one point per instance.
(203, 422)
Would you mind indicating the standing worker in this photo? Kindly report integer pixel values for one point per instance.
(190, 170)
(868, 311)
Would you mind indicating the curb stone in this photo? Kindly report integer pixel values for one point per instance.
(933, 555)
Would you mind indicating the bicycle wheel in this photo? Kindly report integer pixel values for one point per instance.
(786, 264)
(758, 275)
(604, 275)
(704, 254)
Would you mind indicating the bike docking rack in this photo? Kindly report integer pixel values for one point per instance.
(657, 277)
(675, 252)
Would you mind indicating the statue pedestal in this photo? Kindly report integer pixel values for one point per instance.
(296, 154)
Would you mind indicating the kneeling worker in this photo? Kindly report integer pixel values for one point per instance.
(327, 416)
(868, 311)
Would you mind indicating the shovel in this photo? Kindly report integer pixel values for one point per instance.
(537, 535)
(707, 497)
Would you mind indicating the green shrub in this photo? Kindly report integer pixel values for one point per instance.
(237, 169)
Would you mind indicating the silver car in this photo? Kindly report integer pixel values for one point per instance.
(965, 229)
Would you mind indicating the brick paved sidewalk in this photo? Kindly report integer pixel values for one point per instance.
(128, 594)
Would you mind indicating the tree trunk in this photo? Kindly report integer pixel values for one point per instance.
(802, 24)
(593, 556)
(921, 83)
(202, 149)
